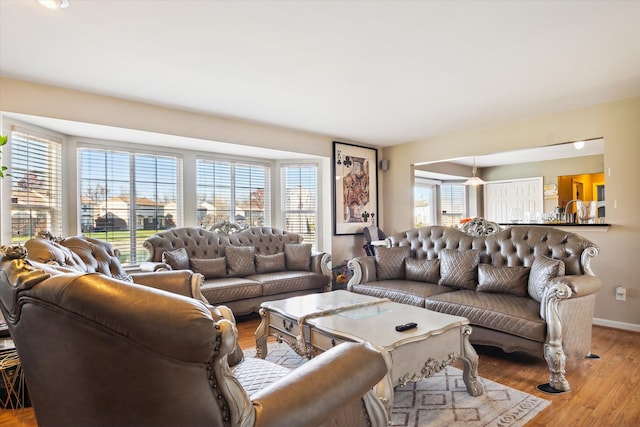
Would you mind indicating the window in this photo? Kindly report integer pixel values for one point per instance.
(299, 200)
(232, 191)
(36, 185)
(452, 203)
(126, 197)
(424, 202)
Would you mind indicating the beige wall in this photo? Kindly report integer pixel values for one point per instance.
(18, 96)
(618, 122)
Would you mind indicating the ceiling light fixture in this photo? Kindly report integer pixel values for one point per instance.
(579, 145)
(54, 4)
(474, 180)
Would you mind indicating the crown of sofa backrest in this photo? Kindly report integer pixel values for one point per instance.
(266, 240)
(198, 242)
(201, 243)
(98, 256)
(514, 246)
(79, 253)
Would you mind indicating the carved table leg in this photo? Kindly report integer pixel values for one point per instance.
(385, 392)
(470, 362)
(262, 333)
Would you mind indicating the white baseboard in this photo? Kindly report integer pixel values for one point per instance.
(616, 324)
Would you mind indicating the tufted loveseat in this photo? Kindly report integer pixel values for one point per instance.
(525, 288)
(242, 269)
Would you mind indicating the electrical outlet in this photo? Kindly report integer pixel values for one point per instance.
(621, 293)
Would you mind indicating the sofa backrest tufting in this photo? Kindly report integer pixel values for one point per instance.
(78, 253)
(514, 246)
(201, 243)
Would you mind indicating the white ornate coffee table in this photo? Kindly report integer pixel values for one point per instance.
(313, 323)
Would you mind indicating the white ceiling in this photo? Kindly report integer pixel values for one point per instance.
(375, 72)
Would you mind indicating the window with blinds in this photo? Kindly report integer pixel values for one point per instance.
(127, 196)
(299, 200)
(232, 191)
(36, 185)
(452, 203)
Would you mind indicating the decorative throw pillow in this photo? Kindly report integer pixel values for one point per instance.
(507, 280)
(543, 269)
(269, 263)
(178, 259)
(210, 268)
(298, 256)
(459, 268)
(240, 260)
(390, 262)
(422, 270)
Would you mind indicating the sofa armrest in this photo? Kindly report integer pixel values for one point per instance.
(364, 270)
(317, 390)
(320, 262)
(580, 285)
(181, 282)
(149, 266)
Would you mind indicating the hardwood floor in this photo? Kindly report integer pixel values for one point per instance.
(605, 391)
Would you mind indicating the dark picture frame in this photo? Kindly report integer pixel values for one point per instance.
(355, 188)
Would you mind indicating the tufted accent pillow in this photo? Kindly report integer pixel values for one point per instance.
(422, 270)
(269, 263)
(240, 260)
(298, 256)
(390, 262)
(178, 259)
(506, 280)
(210, 268)
(459, 268)
(542, 271)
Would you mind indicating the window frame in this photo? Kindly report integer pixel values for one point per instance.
(234, 203)
(134, 246)
(314, 237)
(54, 185)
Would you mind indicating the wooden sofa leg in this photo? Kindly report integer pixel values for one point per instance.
(555, 357)
(553, 351)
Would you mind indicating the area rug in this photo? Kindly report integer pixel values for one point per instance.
(442, 400)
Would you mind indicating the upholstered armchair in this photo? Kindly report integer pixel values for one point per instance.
(97, 350)
(86, 255)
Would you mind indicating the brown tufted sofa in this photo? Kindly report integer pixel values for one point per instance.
(525, 288)
(242, 269)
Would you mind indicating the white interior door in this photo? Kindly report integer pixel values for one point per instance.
(506, 201)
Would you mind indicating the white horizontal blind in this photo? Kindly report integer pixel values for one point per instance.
(213, 192)
(252, 195)
(231, 191)
(299, 200)
(452, 203)
(36, 185)
(127, 197)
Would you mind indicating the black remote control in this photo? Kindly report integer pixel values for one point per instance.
(406, 326)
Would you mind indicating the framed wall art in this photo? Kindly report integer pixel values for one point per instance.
(355, 188)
